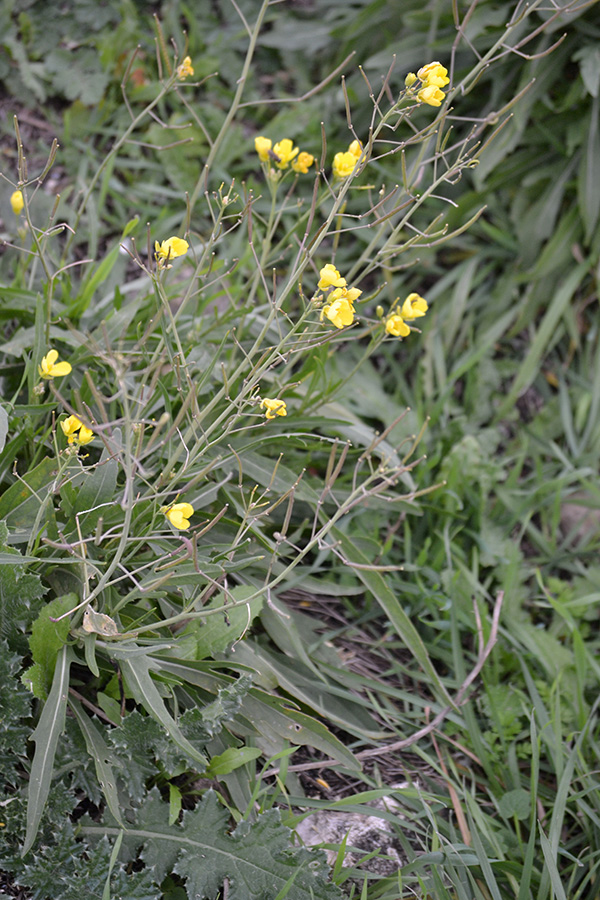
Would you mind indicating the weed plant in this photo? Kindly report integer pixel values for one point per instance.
(206, 433)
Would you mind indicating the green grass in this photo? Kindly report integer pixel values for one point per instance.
(337, 587)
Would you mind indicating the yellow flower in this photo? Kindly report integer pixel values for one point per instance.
(330, 277)
(396, 326)
(355, 149)
(179, 515)
(431, 95)
(349, 294)
(434, 74)
(185, 69)
(17, 203)
(285, 152)
(273, 408)
(340, 312)
(49, 368)
(262, 145)
(168, 250)
(303, 163)
(85, 434)
(414, 307)
(71, 426)
(344, 164)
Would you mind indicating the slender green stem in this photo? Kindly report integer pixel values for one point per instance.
(241, 84)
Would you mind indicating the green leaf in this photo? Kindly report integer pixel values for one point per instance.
(515, 803)
(20, 592)
(529, 367)
(136, 671)
(218, 631)
(588, 185)
(388, 601)
(258, 859)
(46, 735)
(46, 641)
(20, 504)
(588, 58)
(77, 74)
(101, 754)
(231, 759)
(97, 490)
(15, 704)
(3, 427)
(99, 275)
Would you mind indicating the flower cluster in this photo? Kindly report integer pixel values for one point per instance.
(168, 250)
(76, 432)
(185, 69)
(432, 77)
(413, 308)
(339, 308)
(282, 154)
(345, 163)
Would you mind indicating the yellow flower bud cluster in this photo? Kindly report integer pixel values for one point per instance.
(344, 163)
(339, 308)
(282, 154)
(185, 69)
(413, 307)
(432, 77)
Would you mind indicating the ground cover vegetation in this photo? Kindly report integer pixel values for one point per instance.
(300, 429)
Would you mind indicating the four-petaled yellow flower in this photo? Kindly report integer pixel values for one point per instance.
(349, 294)
(434, 73)
(414, 307)
(284, 152)
(340, 311)
(431, 95)
(330, 277)
(263, 145)
(168, 250)
(49, 368)
(76, 431)
(179, 515)
(17, 203)
(185, 69)
(396, 326)
(303, 163)
(273, 408)
(344, 164)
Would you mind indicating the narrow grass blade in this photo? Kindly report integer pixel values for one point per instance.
(529, 368)
(100, 753)
(388, 601)
(46, 735)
